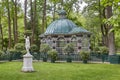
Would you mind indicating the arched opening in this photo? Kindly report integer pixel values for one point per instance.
(60, 44)
(85, 44)
(49, 41)
(74, 43)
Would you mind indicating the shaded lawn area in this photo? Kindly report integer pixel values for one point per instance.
(60, 71)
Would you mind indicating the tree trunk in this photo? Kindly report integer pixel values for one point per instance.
(31, 21)
(16, 26)
(104, 30)
(25, 14)
(54, 11)
(13, 19)
(44, 16)
(34, 22)
(1, 33)
(9, 24)
(111, 38)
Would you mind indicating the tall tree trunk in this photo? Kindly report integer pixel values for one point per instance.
(111, 38)
(13, 27)
(34, 22)
(25, 14)
(1, 33)
(31, 14)
(13, 19)
(16, 26)
(44, 16)
(54, 11)
(103, 26)
(9, 24)
(32, 19)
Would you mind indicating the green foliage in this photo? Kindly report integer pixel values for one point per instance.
(23, 52)
(10, 54)
(96, 49)
(34, 48)
(84, 55)
(12, 51)
(44, 48)
(53, 54)
(19, 47)
(69, 48)
(1, 52)
(20, 50)
(28, 32)
(117, 39)
(104, 50)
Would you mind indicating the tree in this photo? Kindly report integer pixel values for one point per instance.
(111, 37)
(1, 30)
(25, 14)
(104, 8)
(16, 26)
(14, 18)
(33, 20)
(9, 24)
(1, 34)
(94, 16)
(44, 16)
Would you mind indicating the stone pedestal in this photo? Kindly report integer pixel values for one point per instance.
(27, 63)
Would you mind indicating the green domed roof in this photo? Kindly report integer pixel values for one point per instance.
(63, 26)
(60, 26)
(78, 30)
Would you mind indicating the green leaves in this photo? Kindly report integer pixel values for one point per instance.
(44, 48)
(69, 48)
(53, 54)
(84, 55)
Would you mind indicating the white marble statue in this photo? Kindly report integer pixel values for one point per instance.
(27, 44)
(27, 58)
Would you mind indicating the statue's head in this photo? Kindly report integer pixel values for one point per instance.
(27, 37)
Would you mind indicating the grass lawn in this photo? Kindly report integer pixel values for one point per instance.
(60, 71)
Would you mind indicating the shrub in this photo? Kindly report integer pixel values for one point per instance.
(53, 55)
(1, 52)
(19, 47)
(96, 50)
(34, 48)
(44, 48)
(23, 52)
(104, 50)
(11, 53)
(84, 55)
(69, 48)
(20, 50)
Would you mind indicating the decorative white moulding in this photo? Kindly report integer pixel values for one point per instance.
(27, 63)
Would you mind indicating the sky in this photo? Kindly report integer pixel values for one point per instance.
(83, 5)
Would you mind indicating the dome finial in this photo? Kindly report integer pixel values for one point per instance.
(62, 13)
